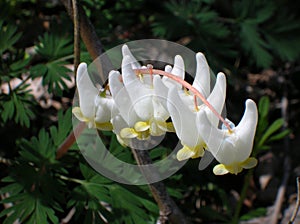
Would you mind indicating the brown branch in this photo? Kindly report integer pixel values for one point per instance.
(69, 141)
(169, 211)
(76, 20)
(87, 30)
(90, 40)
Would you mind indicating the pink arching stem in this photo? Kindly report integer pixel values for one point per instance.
(186, 85)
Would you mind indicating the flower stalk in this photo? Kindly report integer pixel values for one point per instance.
(186, 85)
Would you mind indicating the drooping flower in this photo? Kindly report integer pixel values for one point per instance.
(94, 108)
(184, 114)
(183, 108)
(137, 102)
(231, 148)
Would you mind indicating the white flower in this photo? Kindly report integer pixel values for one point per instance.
(94, 109)
(137, 102)
(231, 148)
(202, 78)
(183, 110)
(184, 114)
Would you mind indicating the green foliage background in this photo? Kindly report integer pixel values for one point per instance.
(36, 41)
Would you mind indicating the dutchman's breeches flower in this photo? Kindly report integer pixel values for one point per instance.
(231, 148)
(138, 101)
(184, 109)
(94, 108)
(185, 121)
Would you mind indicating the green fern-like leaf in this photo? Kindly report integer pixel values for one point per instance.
(253, 43)
(41, 150)
(28, 209)
(17, 106)
(54, 75)
(59, 133)
(54, 47)
(9, 36)
(56, 51)
(283, 34)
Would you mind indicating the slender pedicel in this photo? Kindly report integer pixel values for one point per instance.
(185, 84)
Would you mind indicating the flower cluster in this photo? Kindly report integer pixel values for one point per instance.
(140, 102)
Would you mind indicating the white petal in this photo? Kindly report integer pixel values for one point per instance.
(217, 99)
(215, 139)
(128, 74)
(161, 91)
(126, 52)
(228, 147)
(188, 100)
(117, 121)
(202, 79)
(160, 112)
(121, 99)
(184, 120)
(140, 95)
(177, 70)
(103, 109)
(115, 85)
(246, 129)
(168, 68)
(86, 91)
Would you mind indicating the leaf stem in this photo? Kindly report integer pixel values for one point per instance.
(78, 181)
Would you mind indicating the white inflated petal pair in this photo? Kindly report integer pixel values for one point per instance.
(94, 109)
(231, 148)
(139, 100)
(184, 111)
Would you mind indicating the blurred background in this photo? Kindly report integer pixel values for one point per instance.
(256, 43)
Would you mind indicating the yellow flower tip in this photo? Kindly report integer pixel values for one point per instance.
(185, 153)
(162, 125)
(128, 133)
(170, 127)
(235, 168)
(76, 110)
(107, 126)
(122, 141)
(199, 153)
(249, 163)
(220, 169)
(78, 114)
(143, 135)
(141, 126)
